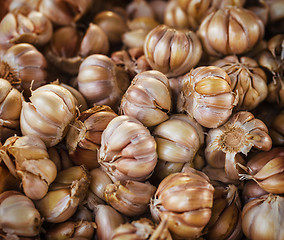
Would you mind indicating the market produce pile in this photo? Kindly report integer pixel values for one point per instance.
(159, 120)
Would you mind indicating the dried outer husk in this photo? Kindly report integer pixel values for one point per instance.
(102, 82)
(130, 198)
(262, 218)
(185, 201)
(267, 170)
(10, 110)
(128, 150)
(232, 30)
(107, 220)
(69, 46)
(207, 96)
(225, 221)
(59, 155)
(251, 190)
(65, 195)
(172, 51)
(24, 67)
(68, 12)
(142, 229)
(248, 80)
(48, 114)
(27, 158)
(19, 215)
(276, 130)
(148, 98)
(237, 136)
(8, 181)
(83, 139)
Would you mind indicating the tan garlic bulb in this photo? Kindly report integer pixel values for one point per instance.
(171, 51)
(59, 155)
(148, 98)
(113, 24)
(139, 8)
(130, 198)
(10, 110)
(251, 190)
(102, 82)
(27, 158)
(262, 218)
(207, 96)
(276, 130)
(248, 80)
(48, 114)
(24, 6)
(238, 135)
(69, 46)
(67, 12)
(225, 221)
(83, 139)
(24, 67)
(18, 215)
(159, 8)
(33, 28)
(185, 200)
(65, 194)
(230, 30)
(128, 150)
(142, 229)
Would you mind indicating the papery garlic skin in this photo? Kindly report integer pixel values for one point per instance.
(148, 98)
(185, 201)
(276, 130)
(262, 218)
(207, 96)
(128, 150)
(171, 51)
(139, 8)
(230, 30)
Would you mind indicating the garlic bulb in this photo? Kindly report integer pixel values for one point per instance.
(10, 110)
(48, 114)
(248, 80)
(59, 155)
(102, 82)
(128, 150)
(171, 51)
(8, 181)
(139, 8)
(262, 218)
(276, 16)
(230, 30)
(276, 130)
(207, 96)
(238, 135)
(185, 201)
(19, 215)
(251, 190)
(148, 98)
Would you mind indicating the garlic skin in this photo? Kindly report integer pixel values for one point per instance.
(59, 155)
(10, 110)
(19, 215)
(276, 130)
(248, 80)
(33, 28)
(171, 51)
(185, 201)
(128, 150)
(70, 46)
(230, 30)
(276, 16)
(24, 6)
(48, 114)
(262, 218)
(139, 8)
(83, 139)
(251, 190)
(102, 82)
(148, 98)
(27, 158)
(207, 96)
(8, 181)
(238, 135)
(131, 198)
(24, 67)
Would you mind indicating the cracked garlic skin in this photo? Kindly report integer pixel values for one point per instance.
(27, 158)
(128, 150)
(207, 96)
(185, 200)
(230, 30)
(148, 98)
(248, 80)
(238, 135)
(48, 114)
(262, 218)
(171, 51)
(18, 215)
